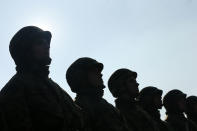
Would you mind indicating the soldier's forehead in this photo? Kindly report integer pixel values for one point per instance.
(131, 77)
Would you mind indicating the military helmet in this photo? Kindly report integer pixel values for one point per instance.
(22, 41)
(149, 91)
(147, 94)
(76, 75)
(117, 79)
(171, 98)
(191, 101)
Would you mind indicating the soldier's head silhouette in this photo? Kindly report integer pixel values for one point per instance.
(192, 107)
(84, 77)
(175, 101)
(30, 46)
(150, 97)
(123, 82)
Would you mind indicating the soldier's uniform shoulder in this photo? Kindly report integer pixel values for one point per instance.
(83, 101)
(164, 126)
(95, 108)
(109, 106)
(14, 85)
(62, 92)
(73, 111)
(53, 82)
(137, 117)
(172, 119)
(176, 122)
(112, 117)
(86, 104)
(192, 125)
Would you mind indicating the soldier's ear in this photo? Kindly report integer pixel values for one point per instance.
(124, 87)
(124, 84)
(125, 81)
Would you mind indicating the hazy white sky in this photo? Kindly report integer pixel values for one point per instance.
(156, 38)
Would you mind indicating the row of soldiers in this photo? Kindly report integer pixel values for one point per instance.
(31, 101)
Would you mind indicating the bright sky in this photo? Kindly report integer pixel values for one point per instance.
(156, 38)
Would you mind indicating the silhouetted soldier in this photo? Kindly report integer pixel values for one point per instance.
(150, 99)
(2, 122)
(85, 79)
(175, 104)
(192, 108)
(31, 101)
(123, 86)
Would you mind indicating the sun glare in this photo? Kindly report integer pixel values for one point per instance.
(45, 23)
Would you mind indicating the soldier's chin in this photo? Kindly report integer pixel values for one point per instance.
(45, 61)
(102, 92)
(102, 86)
